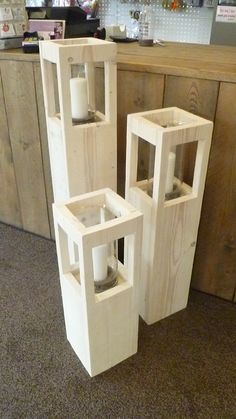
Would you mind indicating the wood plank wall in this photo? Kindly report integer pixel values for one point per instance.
(215, 261)
(10, 206)
(23, 144)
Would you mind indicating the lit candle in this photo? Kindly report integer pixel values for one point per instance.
(99, 255)
(79, 98)
(170, 172)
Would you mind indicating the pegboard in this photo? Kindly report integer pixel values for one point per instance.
(191, 24)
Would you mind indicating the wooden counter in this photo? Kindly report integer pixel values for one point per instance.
(198, 78)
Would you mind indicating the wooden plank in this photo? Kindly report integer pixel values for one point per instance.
(199, 61)
(208, 54)
(196, 96)
(19, 92)
(136, 92)
(170, 227)
(215, 268)
(9, 208)
(193, 95)
(101, 327)
(83, 156)
(44, 143)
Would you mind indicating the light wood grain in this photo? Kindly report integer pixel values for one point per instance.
(83, 157)
(170, 227)
(44, 143)
(193, 95)
(21, 109)
(210, 62)
(10, 207)
(215, 268)
(136, 92)
(102, 328)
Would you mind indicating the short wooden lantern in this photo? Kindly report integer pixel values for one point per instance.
(171, 205)
(100, 302)
(82, 140)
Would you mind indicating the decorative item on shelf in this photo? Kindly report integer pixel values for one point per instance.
(146, 26)
(174, 5)
(30, 43)
(115, 31)
(169, 194)
(48, 28)
(134, 29)
(91, 7)
(79, 129)
(99, 293)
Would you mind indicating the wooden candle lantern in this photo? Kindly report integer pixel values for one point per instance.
(171, 205)
(101, 320)
(82, 140)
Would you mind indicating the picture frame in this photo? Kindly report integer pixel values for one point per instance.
(47, 28)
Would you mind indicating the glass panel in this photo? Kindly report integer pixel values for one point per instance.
(105, 266)
(145, 169)
(180, 171)
(170, 118)
(94, 215)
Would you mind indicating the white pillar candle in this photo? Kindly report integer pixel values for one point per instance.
(170, 173)
(99, 255)
(79, 98)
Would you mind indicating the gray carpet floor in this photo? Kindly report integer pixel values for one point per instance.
(185, 366)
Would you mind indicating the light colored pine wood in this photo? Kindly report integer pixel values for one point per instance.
(102, 328)
(170, 227)
(20, 99)
(10, 207)
(192, 95)
(217, 231)
(44, 143)
(83, 157)
(211, 62)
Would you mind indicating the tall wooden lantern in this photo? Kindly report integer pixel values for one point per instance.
(100, 294)
(169, 195)
(82, 140)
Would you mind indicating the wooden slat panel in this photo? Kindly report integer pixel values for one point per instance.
(9, 208)
(193, 95)
(19, 93)
(136, 92)
(215, 262)
(196, 96)
(44, 143)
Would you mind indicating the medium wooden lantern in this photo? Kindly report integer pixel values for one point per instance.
(170, 201)
(82, 140)
(100, 299)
